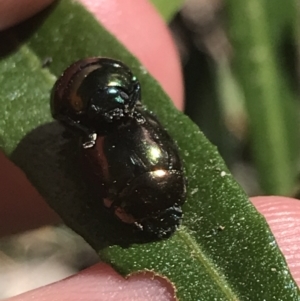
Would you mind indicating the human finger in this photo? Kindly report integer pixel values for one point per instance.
(283, 217)
(14, 11)
(102, 283)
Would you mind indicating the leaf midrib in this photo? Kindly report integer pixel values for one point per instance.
(199, 255)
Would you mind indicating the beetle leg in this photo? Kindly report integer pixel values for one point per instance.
(90, 140)
(71, 124)
(89, 136)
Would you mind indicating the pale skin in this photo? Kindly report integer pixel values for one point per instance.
(146, 36)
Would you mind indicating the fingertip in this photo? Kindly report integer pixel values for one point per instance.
(101, 282)
(14, 11)
(283, 217)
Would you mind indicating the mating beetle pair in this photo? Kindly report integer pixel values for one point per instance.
(132, 160)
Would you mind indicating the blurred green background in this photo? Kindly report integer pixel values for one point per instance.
(241, 70)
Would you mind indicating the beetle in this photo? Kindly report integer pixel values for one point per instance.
(130, 158)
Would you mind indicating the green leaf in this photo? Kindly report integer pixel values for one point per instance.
(224, 249)
(270, 101)
(168, 8)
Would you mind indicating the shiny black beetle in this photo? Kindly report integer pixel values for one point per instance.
(133, 161)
